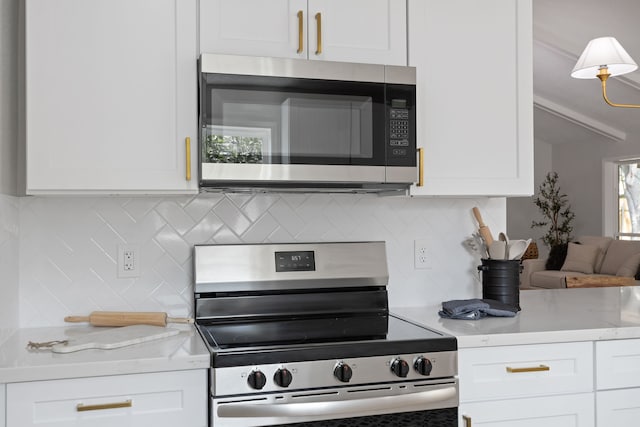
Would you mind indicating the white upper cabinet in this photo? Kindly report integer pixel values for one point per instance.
(111, 96)
(475, 95)
(369, 31)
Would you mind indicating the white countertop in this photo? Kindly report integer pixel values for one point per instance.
(547, 316)
(550, 315)
(183, 351)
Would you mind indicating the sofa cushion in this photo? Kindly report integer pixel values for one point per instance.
(630, 267)
(618, 252)
(557, 255)
(602, 243)
(550, 279)
(580, 258)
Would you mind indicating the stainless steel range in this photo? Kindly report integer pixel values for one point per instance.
(300, 334)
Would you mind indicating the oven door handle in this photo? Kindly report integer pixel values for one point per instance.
(353, 407)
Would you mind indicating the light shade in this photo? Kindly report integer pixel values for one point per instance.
(603, 52)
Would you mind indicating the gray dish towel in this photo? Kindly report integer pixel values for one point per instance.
(474, 309)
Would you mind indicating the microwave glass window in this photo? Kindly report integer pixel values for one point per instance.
(234, 144)
(265, 126)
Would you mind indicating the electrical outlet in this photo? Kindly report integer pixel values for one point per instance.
(422, 255)
(128, 261)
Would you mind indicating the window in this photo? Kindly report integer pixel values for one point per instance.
(233, 144)
(628, 200)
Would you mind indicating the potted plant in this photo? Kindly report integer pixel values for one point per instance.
(556, 210)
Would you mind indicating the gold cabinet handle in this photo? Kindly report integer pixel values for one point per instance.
(319, 27)
(529, 369)
(420, 167)
(467, 420)
(187, 144)
(82, 408)
(300, 29)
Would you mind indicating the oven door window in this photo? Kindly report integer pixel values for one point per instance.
(271, 120)
(433, 418)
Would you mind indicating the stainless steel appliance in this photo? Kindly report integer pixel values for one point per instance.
(301, 335)
(291, 123)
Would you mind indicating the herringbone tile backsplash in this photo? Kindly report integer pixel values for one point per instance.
(9, 231)
(68, 245)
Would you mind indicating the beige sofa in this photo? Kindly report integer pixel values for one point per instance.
(594, 256)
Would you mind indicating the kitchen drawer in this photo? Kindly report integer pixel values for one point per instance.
(177, 398)
(525, 370)
(573, 410)
(618, 407)
(617, 364)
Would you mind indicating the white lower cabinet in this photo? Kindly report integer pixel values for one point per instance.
(573, 410)
(177, 398)
(617, 364)
(618, 407)
(618, 382)
(527, 385)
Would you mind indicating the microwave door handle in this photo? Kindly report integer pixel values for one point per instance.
(356, 407)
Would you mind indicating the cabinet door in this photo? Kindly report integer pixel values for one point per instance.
(618, 407)
(254, 27)
(525, 370)
(474, 103)
(574, 410)
(3, 411)
(369, 31)
(157, 399)
(111, 95)
(617, 364)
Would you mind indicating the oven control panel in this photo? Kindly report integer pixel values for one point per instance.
(238, 380)
(295, 261)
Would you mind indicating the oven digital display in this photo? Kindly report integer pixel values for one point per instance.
(295, 261)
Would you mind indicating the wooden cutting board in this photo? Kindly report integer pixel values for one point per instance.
(115, 338)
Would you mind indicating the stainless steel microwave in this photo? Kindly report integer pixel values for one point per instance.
(276, 123)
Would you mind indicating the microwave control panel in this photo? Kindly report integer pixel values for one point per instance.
(399, 131)
(399, 120)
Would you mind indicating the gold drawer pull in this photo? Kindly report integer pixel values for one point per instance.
(420, 167)
(319, 33)
(187, 146)
(467, 420)
(529, 369)
(82, 408)
(300, 31)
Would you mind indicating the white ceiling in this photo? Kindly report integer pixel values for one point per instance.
(572, 110)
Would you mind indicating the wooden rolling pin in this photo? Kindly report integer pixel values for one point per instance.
(484, 231)
(125, 318)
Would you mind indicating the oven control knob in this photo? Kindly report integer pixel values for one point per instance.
(256, 379)
(423, 366)
(343, 372)
(283, 377)
(400, 367)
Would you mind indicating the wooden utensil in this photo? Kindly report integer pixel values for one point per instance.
(484, 231)
(124, 318)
